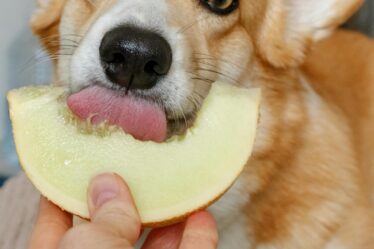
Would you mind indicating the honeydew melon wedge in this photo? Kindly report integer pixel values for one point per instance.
(168, 180)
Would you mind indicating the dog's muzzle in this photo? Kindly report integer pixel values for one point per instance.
(135, 58)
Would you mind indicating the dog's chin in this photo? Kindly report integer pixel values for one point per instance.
(179, 126)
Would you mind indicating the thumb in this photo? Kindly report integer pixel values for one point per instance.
(112, 207)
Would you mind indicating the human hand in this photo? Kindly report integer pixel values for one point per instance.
(115, 224)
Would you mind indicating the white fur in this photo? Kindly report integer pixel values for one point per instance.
(308, 16)
(268, 247)
(230, 215)
(335, 244)
(235, 236)
(85, 66)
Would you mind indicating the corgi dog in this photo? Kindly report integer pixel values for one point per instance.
(309, 183)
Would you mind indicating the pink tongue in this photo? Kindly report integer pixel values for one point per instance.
(143, 120)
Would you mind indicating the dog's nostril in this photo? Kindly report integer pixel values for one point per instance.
(135, 57)
(153, 68)
(112, 58)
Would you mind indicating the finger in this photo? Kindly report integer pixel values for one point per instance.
(200, 232)
(112, 207)
(165, 238)
(51, 225)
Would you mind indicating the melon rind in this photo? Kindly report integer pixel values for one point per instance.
(167, 180)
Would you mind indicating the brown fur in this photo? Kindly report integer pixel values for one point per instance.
(349, 88)
(45, 23)
(311, 175)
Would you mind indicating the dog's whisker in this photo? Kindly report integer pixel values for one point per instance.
(200, 56)
(194, 103)
(41, 61)
(211, 58)
(59, 35)
(183, 115)
(196, 76)
(58, 43)
(66, 50)
(70, 40)
(190, 25)
(39, 53)
(196, 99)
(224, 71)
(52, 59)
(56, 39)
(174, 117)
(203, 80)
(67, 45)
(39, 58)
(227, 66)
(197, 94)
(228, 77)
(178, 117)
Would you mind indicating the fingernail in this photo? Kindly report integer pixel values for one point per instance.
(104, 188)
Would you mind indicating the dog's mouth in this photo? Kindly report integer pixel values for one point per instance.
(144, 119)
(178, 126)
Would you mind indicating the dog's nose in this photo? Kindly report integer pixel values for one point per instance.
(135, 58)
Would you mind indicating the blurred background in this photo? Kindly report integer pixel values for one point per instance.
(22, 63)
(19, 53)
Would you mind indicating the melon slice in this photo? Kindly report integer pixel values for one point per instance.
(168, 180)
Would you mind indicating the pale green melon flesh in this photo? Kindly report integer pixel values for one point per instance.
(167, 180)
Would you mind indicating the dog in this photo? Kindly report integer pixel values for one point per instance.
(309, 183)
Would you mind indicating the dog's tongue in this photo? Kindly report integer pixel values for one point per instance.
(144, 120)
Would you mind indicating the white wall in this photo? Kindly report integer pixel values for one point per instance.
(18, 49)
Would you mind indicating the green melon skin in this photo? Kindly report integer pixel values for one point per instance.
(168, 180)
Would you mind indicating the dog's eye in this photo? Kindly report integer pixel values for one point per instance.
(220, 7)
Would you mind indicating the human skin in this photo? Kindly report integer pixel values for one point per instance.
(115, 224)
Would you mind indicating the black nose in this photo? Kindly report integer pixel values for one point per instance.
(135, 58)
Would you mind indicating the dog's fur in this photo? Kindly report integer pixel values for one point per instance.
(310, 181)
